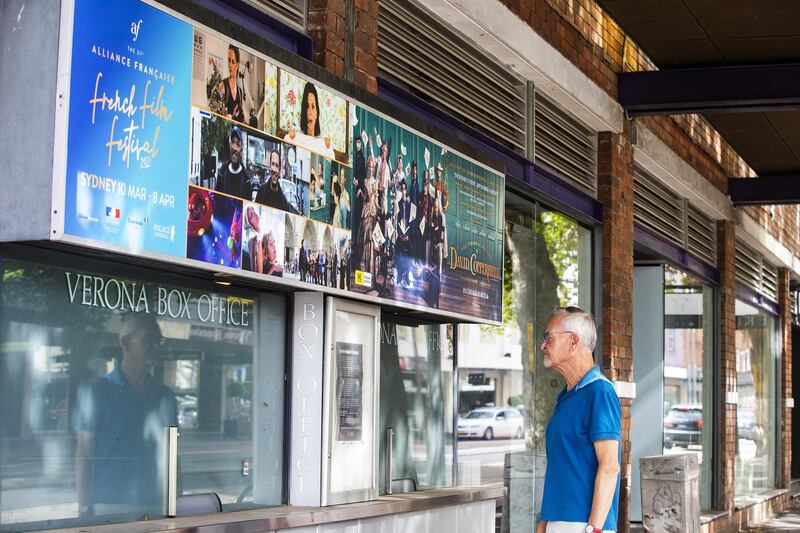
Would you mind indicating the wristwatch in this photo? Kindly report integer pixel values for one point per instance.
(591, 529)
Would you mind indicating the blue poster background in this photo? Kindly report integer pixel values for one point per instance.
(128, 140)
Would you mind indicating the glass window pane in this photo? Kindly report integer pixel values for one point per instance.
(95, 366)
(756, 353)
(688, 371)
(547, 264)
(417, 403)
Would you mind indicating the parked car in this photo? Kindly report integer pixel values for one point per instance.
(746, 425)
(683, 425)
(491, 422)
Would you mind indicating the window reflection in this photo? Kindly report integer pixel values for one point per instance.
(417, 403)
(93, 367)
(688, 371)
(505, 394)
(756, 349)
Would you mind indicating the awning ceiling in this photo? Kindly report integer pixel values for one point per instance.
(679, 34)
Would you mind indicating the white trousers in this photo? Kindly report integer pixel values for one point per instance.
(568, 527)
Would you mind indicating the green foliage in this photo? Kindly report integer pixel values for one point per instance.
(561, 237)
(514, 401)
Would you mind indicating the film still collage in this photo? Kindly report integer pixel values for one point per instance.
(267, 180)
(400, 243)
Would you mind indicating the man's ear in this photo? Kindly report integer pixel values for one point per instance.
(124, 341)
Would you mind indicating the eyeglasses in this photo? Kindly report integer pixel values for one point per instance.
(547, 337)
(153, 340)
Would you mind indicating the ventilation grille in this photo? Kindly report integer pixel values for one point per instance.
(564, 145)
(753, 270)
(748, 266)
(433, 62)
(292, 12)
(701, 235)
(657, 207)
(769, 281)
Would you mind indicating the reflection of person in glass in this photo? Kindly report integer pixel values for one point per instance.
(121, 428)
(229, 89)
(271, 193)
(232, 177)
(310, 131)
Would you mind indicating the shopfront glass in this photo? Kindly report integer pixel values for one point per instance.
(688, 371)
(757, 351)
(505, 395)
(417, 403)
(96, 361)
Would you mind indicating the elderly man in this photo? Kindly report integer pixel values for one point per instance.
(120, 428)
(583, 436)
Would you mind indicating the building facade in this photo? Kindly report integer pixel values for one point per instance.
(347, 223)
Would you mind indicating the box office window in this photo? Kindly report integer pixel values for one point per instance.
(96, 363)
(417, 403)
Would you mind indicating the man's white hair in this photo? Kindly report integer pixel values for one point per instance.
(579, 322)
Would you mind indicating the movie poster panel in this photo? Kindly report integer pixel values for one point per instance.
(312, 117)
(263, 249)
(128, 126)
(231, 82)
(214, 228)
(425, 223)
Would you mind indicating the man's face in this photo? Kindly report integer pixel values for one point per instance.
(236, 150)
(313, 186)
(557, 344)
(274, 167)
(438, 174)
(142, 347)
(358, 144)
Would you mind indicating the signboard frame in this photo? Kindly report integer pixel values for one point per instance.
(59, 189)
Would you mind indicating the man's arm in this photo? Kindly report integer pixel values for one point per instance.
(605, 482)
(84, 454)
(542, 528)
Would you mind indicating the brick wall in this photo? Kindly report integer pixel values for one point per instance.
(726, 250)
(327, 27)
(786, 377)
(615, 191)
(781, 222)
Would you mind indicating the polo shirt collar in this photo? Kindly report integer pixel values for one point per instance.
(590, 377)
(116, 377)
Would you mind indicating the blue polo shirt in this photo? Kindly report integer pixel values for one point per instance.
(587, 413)
(128, 433)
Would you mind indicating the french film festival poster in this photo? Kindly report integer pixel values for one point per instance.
(128, 126)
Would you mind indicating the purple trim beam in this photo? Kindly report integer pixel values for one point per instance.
(728, 89)
(764, 190)
(655, 243)
(263, 25)
(754, 298)
(519, 169)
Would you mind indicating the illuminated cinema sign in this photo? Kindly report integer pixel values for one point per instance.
(185, 146)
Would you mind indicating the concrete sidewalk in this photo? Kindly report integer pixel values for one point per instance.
(786, 521)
